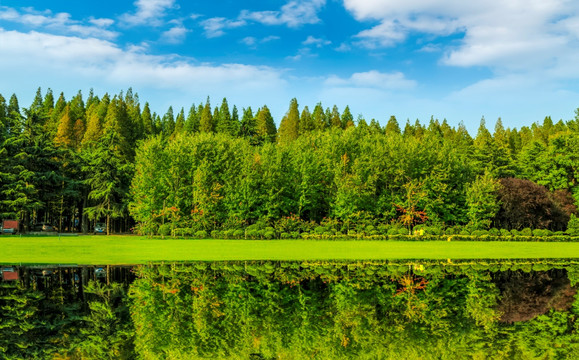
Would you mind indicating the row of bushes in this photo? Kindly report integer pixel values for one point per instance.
(292, 229)
(270, 234)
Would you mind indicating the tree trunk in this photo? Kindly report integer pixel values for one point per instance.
(108, 217)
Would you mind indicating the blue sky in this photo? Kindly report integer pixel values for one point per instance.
(414, 59)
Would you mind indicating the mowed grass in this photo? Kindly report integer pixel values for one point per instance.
(138, 250)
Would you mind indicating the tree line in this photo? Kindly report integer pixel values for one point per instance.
(105, 158)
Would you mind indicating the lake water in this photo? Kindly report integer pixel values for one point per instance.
(293, 310)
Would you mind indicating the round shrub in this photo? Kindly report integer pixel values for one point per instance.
(269, 235)
(201, 234)
(252, 233)
(239, 234)
(505, 233)
(165, 229)
(527, 232)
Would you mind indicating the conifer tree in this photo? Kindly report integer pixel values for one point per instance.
(347, 118)
(289, 126)
(180, 122)
(65, 131)
(192, 122)
(168, 122)
(206, 121)
(77, 110)
(235, 120)
(147, 120)
(47, 105)
(52, 124)
(94, 125)
(265, 126)
(248, 126)
(335, 121)
(36, 105)
(319, 117)
(306, 123)
(392, 126)
(116, 121)
(224, 123)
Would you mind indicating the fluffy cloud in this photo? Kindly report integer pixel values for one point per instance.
(174, 35)
(59, 22)
(293, 14)
(317, 42)
(373, 79)
(214, 27)
(101, 61)
(512, 34)
(148, 12)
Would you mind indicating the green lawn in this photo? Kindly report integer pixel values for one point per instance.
(135, 250)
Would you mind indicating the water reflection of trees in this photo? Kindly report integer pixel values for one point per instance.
(293, 310)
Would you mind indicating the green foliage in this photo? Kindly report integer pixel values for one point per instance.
(481, 201)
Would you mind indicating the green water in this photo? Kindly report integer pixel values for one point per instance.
(295, 310)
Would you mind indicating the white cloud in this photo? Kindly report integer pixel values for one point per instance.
(503, 34)
(214, 27)
(249, 41)
(293, 14)
(317, 42)
(372, 79)
(175, 35)
(270, 38)
(102, 22)
(59, 22)
(101, 60)
(148, 12)
(252, 42)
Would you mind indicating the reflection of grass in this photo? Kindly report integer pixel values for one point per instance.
(134, 249)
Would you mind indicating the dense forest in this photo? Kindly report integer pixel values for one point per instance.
(229, 171)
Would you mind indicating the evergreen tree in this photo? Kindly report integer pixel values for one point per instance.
(77, 110)
(180, 122)
(147, 120)
(392, 126)
(65, 131)
(265, 126)
(289, 126)
(192, 122)
(168, 122)
(206, 122)
(319, 117)
(108, 176)
(347, 118)
(47, 105)
(224, 123)
(248, 127)
(59, 107)
(94, 125)
(36, 105)
(116, 121)
(335, 121)
(306, 123)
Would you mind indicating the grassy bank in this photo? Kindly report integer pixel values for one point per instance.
(134, 250)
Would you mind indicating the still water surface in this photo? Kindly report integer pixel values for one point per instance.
(292, 310)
